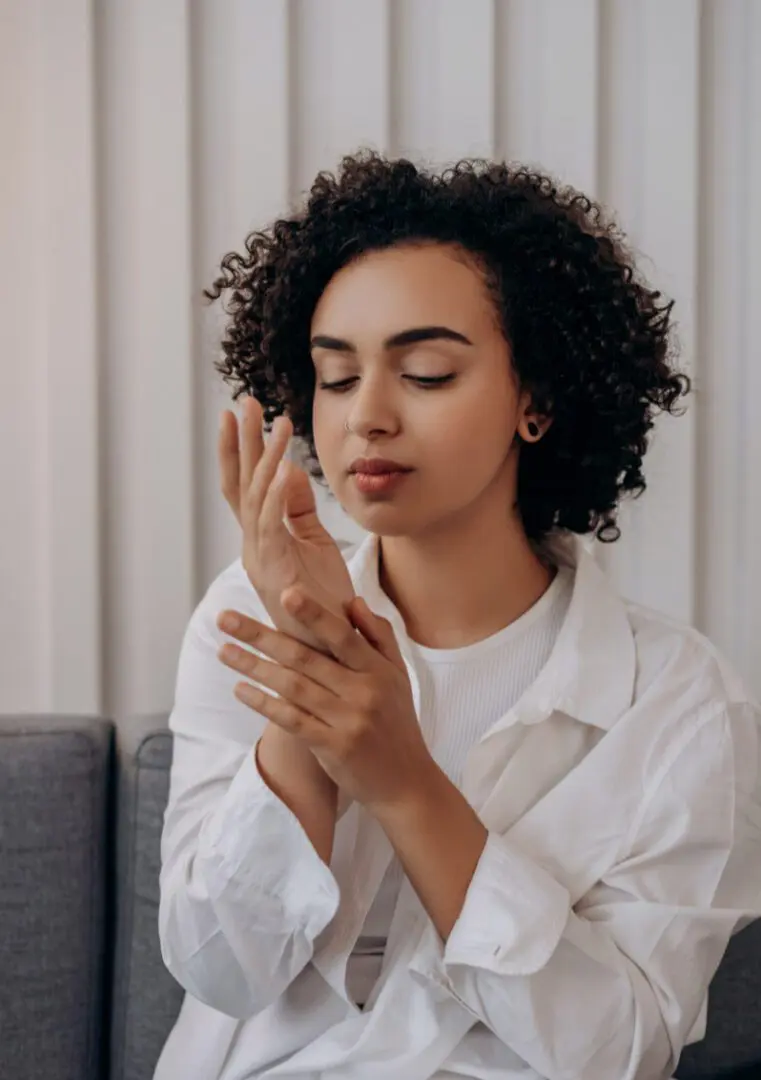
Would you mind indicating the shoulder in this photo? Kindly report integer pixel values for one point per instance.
(670, 652)
(690, 704)
(694, 730)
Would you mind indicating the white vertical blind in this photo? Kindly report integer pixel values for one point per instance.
(146, 509)
(63, 280)
(649, 173)
(144, 141)
(443, 79)
(547, 86)
(728, 460)
(339, 76)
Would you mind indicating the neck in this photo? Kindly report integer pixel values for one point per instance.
(458, 584)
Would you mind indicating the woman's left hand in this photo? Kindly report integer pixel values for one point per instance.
(355, 713)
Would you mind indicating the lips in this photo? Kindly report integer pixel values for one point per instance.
(377, 466)
(380, 483)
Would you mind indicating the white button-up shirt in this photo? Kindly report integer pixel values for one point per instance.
(621, 796)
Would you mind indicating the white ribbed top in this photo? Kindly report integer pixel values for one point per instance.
(463, 692)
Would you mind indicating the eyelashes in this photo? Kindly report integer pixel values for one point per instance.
(425, 382)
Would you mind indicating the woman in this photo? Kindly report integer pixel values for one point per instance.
(455, 808)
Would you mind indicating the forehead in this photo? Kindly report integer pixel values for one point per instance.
(404, 286)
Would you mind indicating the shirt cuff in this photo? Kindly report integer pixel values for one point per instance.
(512, 920)
(255, 843)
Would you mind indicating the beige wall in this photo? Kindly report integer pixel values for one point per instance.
(142, 140)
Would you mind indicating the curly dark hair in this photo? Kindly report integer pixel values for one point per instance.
(587, 336)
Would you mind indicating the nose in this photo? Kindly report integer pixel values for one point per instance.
(372, 411)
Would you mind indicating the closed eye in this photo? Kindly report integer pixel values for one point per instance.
(425, 382)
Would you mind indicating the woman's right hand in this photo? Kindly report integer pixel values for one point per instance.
(276, 557)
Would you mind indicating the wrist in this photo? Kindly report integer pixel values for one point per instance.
(426, 791)
(301, 785)
(286, 761)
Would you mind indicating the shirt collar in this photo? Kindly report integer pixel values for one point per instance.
(591, 669)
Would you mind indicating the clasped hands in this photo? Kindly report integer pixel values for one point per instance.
(342, 684)
(353, 709)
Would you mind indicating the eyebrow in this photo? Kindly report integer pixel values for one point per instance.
(405, 337)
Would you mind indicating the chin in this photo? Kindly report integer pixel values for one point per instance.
(386, 519)
(381, 518)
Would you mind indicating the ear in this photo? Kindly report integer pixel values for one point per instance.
(532, 425)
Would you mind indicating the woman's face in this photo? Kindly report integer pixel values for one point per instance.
(456, 437)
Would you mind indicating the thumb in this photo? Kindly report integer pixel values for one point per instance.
(299, 504)
(378, 631)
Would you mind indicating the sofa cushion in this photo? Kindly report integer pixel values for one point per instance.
(146, 999)
(53, 772)
(733, 1035)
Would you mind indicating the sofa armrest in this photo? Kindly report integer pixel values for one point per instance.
(53, 838)
(145, 997)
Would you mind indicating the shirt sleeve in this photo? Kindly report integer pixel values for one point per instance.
(243, 893)
(611, 988)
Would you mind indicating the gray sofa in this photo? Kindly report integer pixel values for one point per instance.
(83, 991)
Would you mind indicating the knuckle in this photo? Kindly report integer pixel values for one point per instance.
(253, 631)
(347, 637)
(368, 696)
(352, 739)
(294, 719)
(297, 685)
(310, 660)
(301, 655)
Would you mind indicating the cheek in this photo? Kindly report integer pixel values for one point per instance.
(471, 430)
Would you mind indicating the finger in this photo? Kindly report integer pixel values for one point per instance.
(251, 440)
(287, 716)
(229, 460)
(286, 650)
(292, 686)
(378, 631)
(348, 647)
(265, 471)
(272, 526)
(300, 506)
